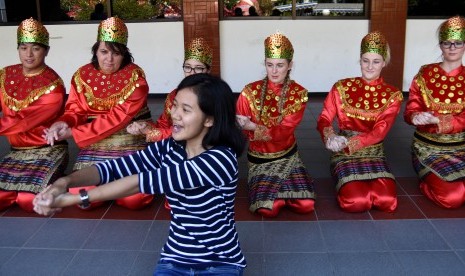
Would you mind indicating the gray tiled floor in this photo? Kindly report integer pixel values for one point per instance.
(46, 246)
(54, 246)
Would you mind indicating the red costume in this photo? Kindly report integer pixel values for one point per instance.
(29, 104)
(161, 129)
(438, 149)
(365, 112)
(277, 176)
(99, 108)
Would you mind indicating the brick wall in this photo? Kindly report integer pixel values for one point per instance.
(390, 17)
(201, 19)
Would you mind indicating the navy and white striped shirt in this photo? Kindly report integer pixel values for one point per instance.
(201, 193)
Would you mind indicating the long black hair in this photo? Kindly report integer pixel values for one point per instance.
(216, 99)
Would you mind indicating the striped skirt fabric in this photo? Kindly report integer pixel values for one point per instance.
(31, 170)
(115, 146)
(446, 160)
(366, 164)
(282, 178)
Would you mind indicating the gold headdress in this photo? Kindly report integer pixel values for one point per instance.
(32, 31)
(374, 42)
(113, 29)
(278, 46)
(198, 49)
(452, 29)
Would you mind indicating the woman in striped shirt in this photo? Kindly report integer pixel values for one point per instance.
(196, 169)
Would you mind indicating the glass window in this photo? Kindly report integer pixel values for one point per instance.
(237, 8)
(432, 8)
(84, 10)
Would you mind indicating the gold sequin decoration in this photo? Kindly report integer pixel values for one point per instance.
(369, 104)
(444, 95)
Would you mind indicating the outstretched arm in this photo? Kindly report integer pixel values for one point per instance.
(55, 196)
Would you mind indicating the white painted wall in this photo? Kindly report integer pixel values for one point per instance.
(422, 47)
(325, 50)
(156, 47)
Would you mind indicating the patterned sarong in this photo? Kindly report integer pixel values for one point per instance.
(281, 178)
(31, 170)
(117, 145)
(441, 154)
(366, 164)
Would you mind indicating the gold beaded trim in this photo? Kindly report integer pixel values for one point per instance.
(444, 94)
(365, 102)
(108, 102)
(17, 105)
(270, 116)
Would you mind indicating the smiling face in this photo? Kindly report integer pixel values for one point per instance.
(277, 69)
(108, 60)
(190, 124)
(371, 65)
(32, 57)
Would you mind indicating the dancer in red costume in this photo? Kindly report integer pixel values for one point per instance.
(106, 95)
(269, 110)
(32, 97)
(365, 108)
(436, 107)
(197, 59)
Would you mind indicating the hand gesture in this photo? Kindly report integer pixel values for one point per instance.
(245, 123)
(137, 128)
(336, 143)
(51, 199)
(424, 118)
(57, 132)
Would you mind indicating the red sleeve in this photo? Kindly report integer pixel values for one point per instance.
(449, 123)
(380, 129)
(329, 112)
(279, 133)
(414, 104)
(243, 108)
(113, 120)
(161, 129)
(286, 128)
(75, 108)
(44, 109)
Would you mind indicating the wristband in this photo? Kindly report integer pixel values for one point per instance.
(85, 203)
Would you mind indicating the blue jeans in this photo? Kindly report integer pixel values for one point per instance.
(167, 269)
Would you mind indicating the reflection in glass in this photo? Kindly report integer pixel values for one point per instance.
(302, 7)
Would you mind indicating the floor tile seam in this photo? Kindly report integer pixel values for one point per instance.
(440, 234)
(94, 230)
(461, 258)
(400, 185)
(278, 221)
(107, 209)
(110, 250)
(417, 206)
(324, 241)
(147, 234)
(358, 251)
(134, 262)
(262, 230)
(18, 250)
(31, 237)
(50, 248)
(423, 250)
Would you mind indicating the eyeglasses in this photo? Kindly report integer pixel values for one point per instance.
(188, 69)
(448, 44)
